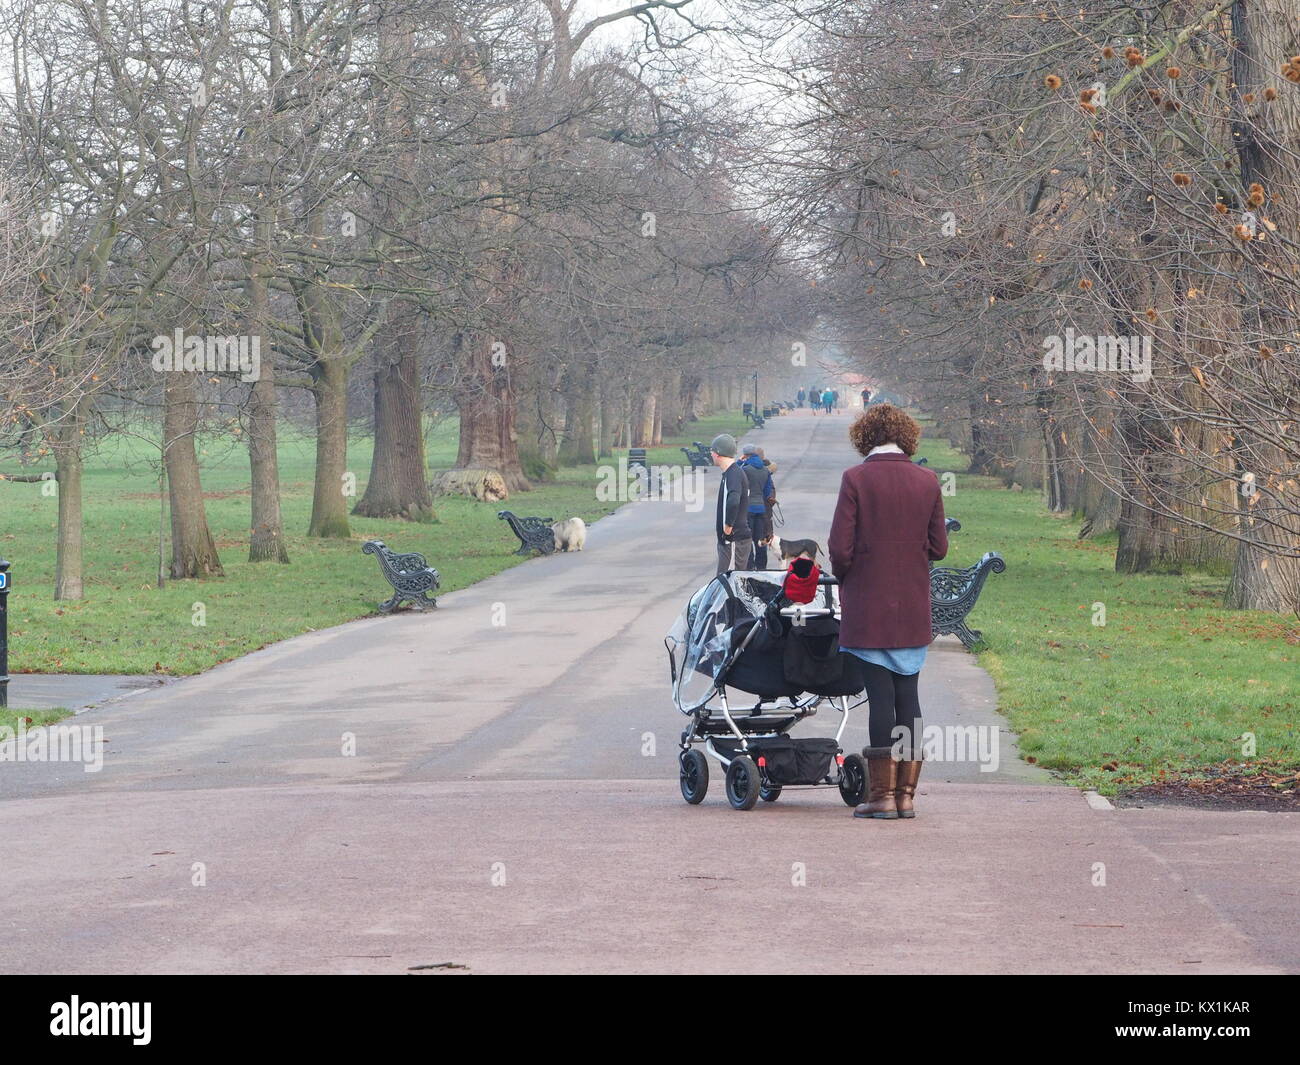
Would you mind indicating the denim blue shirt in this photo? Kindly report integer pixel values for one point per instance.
(904, 660)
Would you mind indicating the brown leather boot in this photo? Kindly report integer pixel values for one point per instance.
(905, 790)
(882, 779)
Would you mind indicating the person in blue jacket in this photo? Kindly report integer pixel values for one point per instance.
(761, 489)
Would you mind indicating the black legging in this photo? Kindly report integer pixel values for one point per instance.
(760, 528)
(894, 703)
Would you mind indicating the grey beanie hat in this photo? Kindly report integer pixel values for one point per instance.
(749, 449)
(725, 445)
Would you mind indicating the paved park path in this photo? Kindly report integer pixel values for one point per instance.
(512, 805)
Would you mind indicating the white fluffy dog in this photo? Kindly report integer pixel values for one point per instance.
(570, 535)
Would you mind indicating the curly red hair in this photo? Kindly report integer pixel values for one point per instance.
(883, 423)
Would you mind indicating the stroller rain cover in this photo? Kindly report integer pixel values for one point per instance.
(728, 614)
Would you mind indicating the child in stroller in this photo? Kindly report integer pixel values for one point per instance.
(741, 631)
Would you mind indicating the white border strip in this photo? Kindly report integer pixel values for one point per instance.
(1097, 801)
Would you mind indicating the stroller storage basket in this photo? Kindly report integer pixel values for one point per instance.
(786, 760)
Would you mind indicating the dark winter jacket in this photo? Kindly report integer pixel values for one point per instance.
(760, 484)
(733, 504)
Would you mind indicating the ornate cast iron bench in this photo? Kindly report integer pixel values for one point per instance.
(698, 456)
(953, 593)
(535, 534)
(410, 575)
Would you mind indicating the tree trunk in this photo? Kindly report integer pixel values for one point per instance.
(690, 397)
(608, 420)
(579, 448)
(548, 421)
(486, 401)
(984, 459)
(1152, 535)
(1053, 487)
(68, 574)
(266, 531)
(644, 432)
(398, 485)
(329, 511)
(266, 535)
(1266, 572)
(1095, 501)
(1146, 540)
(194, 554)
(1264, 579)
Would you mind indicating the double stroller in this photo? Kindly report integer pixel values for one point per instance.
(741, 632)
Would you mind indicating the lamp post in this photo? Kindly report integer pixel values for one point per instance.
(755, 391)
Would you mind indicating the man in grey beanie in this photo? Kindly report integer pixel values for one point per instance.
(733, 506)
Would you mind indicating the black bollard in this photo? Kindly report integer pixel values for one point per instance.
(4, 632)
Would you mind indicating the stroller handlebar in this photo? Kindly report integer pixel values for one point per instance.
(780, 605)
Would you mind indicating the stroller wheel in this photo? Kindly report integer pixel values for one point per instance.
(853, 780)
(694, 770)
(769, 792)
(742, 783)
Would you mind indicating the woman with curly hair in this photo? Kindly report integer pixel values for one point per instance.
(888, 527)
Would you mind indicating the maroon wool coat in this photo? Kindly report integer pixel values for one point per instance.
(888, 526)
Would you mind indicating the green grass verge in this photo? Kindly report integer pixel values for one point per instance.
(1167, 686)
(34, 718)
(128, 625)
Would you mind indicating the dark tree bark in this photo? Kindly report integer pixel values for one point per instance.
(68, 573)
(690, 397)
(1147, 540)
(399, 483)
(1054, 486)
(266, 532)
(1266, 573)
(987, 448)
(329, 512)
(608, 419)
(1152, 535)
(194, 554)
(486, 401)
(643, 427)
(579, 447)
(266, 526)
(398, 486)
